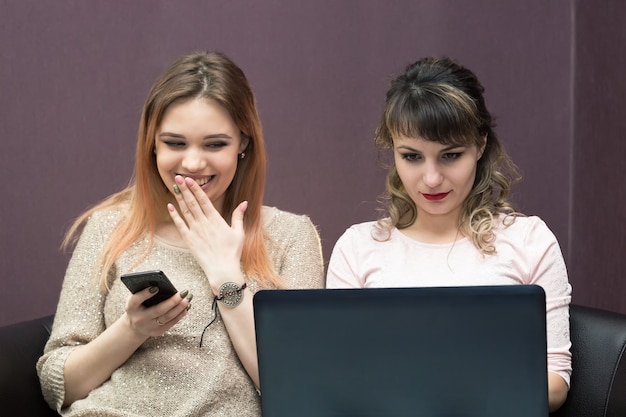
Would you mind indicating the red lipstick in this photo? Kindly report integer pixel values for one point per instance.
(435, 197)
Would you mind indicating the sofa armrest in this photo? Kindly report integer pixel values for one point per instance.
(598, 385)
(21, 345)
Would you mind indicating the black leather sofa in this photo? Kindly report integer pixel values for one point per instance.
(598, 386)
(21, 344)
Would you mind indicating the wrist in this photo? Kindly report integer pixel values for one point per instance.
(130, 331)
(230, 294)
(219, 276)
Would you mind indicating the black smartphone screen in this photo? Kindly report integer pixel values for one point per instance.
(137, 281)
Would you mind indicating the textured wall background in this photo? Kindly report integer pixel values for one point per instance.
(597, 235)
(74, 74)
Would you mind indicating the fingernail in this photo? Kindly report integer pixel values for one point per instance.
(176, 189)
(188, 307)
(153, 289)
(190, 297)
(184, 293)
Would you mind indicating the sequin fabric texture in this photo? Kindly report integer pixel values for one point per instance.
(168, 375)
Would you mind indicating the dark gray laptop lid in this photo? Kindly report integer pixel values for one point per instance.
(445, 352)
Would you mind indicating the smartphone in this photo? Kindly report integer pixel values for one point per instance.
(137, 281)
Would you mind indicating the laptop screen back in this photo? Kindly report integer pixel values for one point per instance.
(445, 352)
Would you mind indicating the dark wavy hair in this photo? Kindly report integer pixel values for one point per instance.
(439, 100)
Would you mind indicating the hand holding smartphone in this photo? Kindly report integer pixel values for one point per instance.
(137, 281)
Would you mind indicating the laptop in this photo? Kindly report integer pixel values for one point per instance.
(394, 352)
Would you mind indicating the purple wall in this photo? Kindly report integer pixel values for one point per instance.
(598, 219)
(74, 76)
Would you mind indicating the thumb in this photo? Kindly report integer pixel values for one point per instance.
(237, 217)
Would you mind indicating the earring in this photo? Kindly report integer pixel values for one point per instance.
(242, 155)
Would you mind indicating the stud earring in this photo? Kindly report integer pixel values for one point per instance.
(242, 155)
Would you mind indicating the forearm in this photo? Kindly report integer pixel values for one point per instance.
(557, 391)
(239, 322)
(88, 366)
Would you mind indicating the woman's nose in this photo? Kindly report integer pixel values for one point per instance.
(193, 160)
(432, 177)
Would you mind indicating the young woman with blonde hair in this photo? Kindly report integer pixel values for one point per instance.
(193, 210)
(448, 220)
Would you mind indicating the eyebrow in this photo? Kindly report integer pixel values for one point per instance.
(446, 149)
(179, 136)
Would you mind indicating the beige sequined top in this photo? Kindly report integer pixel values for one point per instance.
(168, 375)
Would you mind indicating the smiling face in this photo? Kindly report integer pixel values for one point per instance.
(199, 139)
(437, 177)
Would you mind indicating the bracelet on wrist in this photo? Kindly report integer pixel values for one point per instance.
(231, 294)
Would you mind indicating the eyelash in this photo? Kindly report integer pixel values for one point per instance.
(449, 156)
(214, 145)
(452, 155)
(411, 157)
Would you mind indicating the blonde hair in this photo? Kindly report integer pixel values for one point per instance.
(441, 101)
(209, 75)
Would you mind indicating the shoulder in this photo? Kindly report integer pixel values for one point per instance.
(278, 223)
(106, 218)
(370, 231)
(362, 230)
(95, 230)
(362, 237)
(110, 215)
(272, 215)
(522, 228)
(101, 222)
